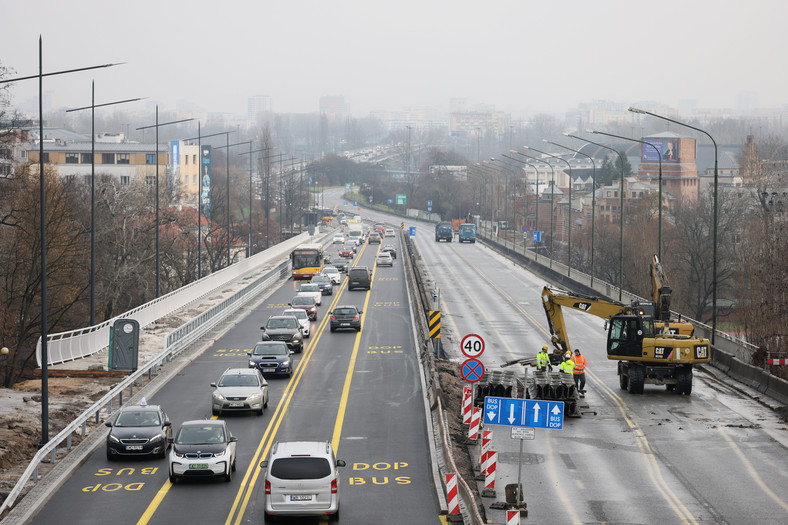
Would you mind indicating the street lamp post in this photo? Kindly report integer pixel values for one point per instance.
(227, 147)
(552, 199)
(659, 158)
(569, 243)
(42, 216)
(156, 158)
(251, 251)
(593, 199)
(621, 213)
(92, 107)
(714, 235)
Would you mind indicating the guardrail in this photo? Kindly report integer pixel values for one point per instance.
(76, 344)
(175, 342)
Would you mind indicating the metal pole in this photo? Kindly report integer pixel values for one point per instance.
(714, 235)
(659, 158)
(251, 252)
(593, 200)
(92, 203)
(569, 254)
(227, 145)
(44, 353)
(199, 202)
(156, 146)
(552, 198)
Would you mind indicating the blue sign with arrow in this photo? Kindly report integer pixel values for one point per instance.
(513, 412)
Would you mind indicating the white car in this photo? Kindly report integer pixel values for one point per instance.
(313, 290)
(333, 274)
(202, 448)
(240, 389)
(384, 259)
(339, 239)
(301, 479)
(303, 319)
(389, 232)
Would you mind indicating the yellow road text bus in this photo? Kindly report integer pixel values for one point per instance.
(307, 260)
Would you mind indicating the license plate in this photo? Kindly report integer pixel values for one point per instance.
(198, 466)
(345, 324)
(301, 497)
(133, 447)
(236, 404)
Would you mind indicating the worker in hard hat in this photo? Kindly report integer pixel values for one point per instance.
(580, 371)
(567, 365)
(543, 360)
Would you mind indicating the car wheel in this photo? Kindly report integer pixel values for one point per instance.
(233, 464)
(260, 412)
(334, 516)
(110, 457)
(163, 453)
(265, 405)
(228, 477)
(332, 329)
(215, 412)
(358, 329)
(173, 478)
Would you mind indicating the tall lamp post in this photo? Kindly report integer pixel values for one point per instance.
(251, 251)
(227, 147)
(267, 194)
(92, 107)
(536, 170)
(506, 198)
(42, 216)
(552, 199)
(156, 158)
(659, 158)
(621, 210)
(714, 235)
(569, 245)
(593, 199)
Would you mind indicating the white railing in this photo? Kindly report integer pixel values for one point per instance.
(76, 344)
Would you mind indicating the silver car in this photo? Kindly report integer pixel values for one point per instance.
(240, 389)
(303, 319)
(301, 479)
(384, 259)
(313, 290)
(333, 274)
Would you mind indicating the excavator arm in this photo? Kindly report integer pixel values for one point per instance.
(660, 291)
(553, 301)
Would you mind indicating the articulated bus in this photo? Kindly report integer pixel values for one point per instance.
(307, 260)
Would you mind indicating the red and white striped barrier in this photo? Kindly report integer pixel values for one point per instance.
(486, 446)
(777, 361)
(512, 517)
(476, 420)
(467, 393)
(492, 465)
(451, 494)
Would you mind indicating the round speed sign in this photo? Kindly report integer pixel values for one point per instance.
(472, 345)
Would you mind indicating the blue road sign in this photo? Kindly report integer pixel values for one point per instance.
(429, 203)
(429, 208)
(512, 412)
(310, 180)
(537, 236)
(412, 231)
(391, 201)
(472, 370)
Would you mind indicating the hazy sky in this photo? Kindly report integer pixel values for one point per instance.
(543, 55)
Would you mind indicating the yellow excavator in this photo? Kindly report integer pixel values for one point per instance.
(645, 356)
(660, 293)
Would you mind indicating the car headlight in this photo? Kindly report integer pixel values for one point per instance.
(297, 337)
(218, 396)
(113, 439)
(156, 438)
(258, 395)
(251, 364)
(286, 364)
(220, 453)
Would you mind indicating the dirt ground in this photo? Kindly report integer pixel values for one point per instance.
(20, 419)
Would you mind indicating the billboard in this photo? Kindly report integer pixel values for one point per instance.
(175, 160)
(205, 178)
(667, 149)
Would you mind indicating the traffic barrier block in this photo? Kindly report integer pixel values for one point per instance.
(476, 420)
(486, 446)
(452, 496)
(489, 476)
(467, 391)
(512, 517)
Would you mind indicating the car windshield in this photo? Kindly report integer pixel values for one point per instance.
(270, 349)
(239, 380)
(298, 314)
(309, 288)
(301, 468)
(200, 435)
(320, 279)
(303, 301)
(345, 311)
(282, 322)
(330, 270)
(137, 418)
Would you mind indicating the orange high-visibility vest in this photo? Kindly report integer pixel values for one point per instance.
(580, 363)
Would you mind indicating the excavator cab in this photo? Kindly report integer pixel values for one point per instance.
(626, 333)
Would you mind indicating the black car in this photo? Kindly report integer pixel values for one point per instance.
(391, 249)
(272, 357)
(139, 430)
(325, 284)
(346, 317)
(359, 277)
(340, 264)
(284, 328)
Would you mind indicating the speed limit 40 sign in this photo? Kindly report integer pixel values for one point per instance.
(472, 345)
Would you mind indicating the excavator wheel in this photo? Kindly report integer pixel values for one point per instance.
(623, 381)
(684, 377)
(636, 380)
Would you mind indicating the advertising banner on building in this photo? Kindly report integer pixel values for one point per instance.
(205, 177)
(667, 149)
(175, 163)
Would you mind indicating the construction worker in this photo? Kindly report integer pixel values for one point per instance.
(543, 360)
(580, 371)
(567, 365)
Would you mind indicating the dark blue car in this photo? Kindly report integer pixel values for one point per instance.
(272, 357)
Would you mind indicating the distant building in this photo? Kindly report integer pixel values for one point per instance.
(333, 107)
(677, 156)
(258, 104)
